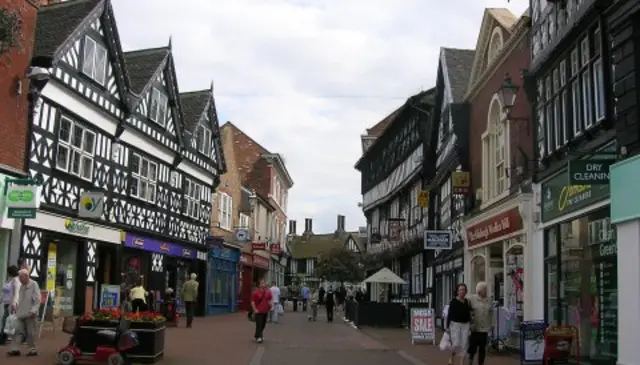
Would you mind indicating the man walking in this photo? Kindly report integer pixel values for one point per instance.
(306, 295)
(261, 303)
(189, 297)
(26, 311)
(329, 304)
(275, 297)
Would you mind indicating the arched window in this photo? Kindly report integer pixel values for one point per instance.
(494, 153)
(495, 45)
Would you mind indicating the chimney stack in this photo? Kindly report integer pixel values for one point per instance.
(308, 226)
(340, 224)
(292, 227)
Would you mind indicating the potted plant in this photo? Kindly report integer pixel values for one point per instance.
(149, 326)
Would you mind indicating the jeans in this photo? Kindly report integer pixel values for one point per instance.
(26, 327)
(273, 314)
(5, 315)
(190, 308)
(478, 342)
(261, 323)
(304, 304)
(314, 311)
(329, 313)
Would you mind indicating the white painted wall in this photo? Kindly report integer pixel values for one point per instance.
(628, 292)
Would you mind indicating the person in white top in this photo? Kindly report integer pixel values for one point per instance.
(10, 296)
(275, 294)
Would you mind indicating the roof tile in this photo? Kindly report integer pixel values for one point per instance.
(458, 64)
(142, 65)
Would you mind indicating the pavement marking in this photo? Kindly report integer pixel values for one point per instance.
(257, 357)
(410, 358)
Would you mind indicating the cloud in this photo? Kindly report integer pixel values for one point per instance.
(306, 77)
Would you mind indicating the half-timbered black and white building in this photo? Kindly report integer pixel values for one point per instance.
(391, 181)
(114, 124)
(448, 151)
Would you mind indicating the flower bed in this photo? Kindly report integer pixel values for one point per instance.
(149, 326)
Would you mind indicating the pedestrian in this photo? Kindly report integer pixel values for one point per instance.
(27, 309)
(306, 294)
(295, 292)
(10, 291)
(138, 296)
(314, 306)
(275, 297)
(481, 322)
(261, 303)
(321, 293)
(458, 322)
(189, 297)
(284, 295)
(329, 304)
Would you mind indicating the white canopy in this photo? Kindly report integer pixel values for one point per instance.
(385, 276)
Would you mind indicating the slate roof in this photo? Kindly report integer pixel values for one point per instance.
(193, 104)
(142, 64)
(312, 245)
(57, 22)
(458, 64)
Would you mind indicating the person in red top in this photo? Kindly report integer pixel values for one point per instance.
(261, 303)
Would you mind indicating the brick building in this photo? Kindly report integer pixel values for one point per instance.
(501, 148)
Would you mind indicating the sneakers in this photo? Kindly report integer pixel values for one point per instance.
(259, 340)
(16, 353)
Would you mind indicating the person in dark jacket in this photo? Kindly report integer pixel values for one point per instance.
(330, 302)
(321, 293)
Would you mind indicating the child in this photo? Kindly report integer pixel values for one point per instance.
(314, 306)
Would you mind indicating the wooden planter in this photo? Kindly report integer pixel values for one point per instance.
(150, 336)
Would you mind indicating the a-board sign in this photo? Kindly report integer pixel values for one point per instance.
(422, 326)
(110, 296)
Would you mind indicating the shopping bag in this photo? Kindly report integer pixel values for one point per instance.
(280, 309)
(10, 325)
(445, 342)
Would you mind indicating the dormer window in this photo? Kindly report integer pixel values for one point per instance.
(94, 62)
(158, 109)
(203, 140)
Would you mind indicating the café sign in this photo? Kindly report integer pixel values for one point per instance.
(497, 226)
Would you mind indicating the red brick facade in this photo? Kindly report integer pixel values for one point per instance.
(520, 136)
(14, 87)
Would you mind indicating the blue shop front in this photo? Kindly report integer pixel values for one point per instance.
(222, 281)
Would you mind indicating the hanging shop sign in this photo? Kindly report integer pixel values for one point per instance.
(423, 198)
(91, 205)
(438, 240)
(261, 262)
(259, 246)
(497, 226)
(275, 248)
(589, 172)
(151, 245)
(22, 201)
(460, 182)
(77, 227)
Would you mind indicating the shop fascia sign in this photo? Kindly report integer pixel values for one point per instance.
(77, 227)
(497, 226)
(590, 171)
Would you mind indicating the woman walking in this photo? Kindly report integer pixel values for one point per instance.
(481, 322)
(10, 291)
(458, 322)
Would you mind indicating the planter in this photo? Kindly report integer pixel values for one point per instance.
(150, 336)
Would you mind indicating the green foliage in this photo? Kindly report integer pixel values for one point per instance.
(10, 30)
(340, 264)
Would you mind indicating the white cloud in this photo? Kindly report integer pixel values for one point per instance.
(306, 77)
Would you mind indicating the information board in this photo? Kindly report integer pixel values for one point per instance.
(422, 326)
(532, 342)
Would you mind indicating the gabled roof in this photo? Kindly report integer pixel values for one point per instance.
(312, 245)
(193, 105)
(143, 64)
(356, 239)
(457, 63)
(57, 22)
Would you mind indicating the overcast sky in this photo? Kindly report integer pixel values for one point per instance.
(305, 78)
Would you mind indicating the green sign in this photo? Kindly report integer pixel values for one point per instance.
(21, 200)
(77, 227)
(559, 198)
(21, 213)
(589, 172)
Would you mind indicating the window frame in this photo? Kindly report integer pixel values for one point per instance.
(225, 211)
(150, 182)
(91, 71)
(192, 195)
(204, 139)
(161, 102)
(73, 151)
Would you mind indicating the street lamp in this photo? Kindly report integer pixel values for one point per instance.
(507, 94)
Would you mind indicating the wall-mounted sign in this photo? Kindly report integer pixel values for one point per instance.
(242, 234)
(22, 201)
(438, 240)
(77, 227)
(497, 226)
(91, 205)
(589, 172)
(259, 246)
(275, 248)
(460, 182)
(261, 262)
(423, 198)
(559, 198)
(151, 245)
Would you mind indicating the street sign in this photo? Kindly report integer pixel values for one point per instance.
(438, 240)
(589, 172)
(22, 201)
(422, 325)
(460, 182)
(91, 204)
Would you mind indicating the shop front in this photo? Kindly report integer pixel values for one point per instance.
(581, 264)
(70, 258)
(260, 267)
(161, 265)
(495, 250)
(245, 279)
(222, 280)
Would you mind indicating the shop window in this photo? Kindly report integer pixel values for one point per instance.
(66, 255)
(581, 257)
(417, 273)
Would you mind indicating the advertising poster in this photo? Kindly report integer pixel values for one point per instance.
(422, 325)
(110, 296)
(51, 267)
